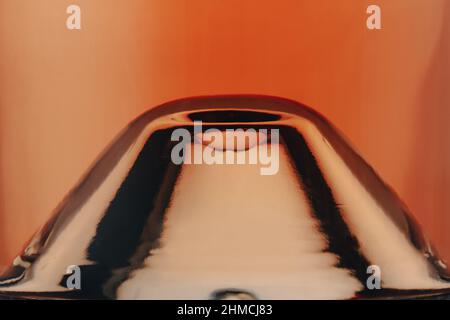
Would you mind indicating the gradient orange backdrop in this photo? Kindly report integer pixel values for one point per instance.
(65, 94)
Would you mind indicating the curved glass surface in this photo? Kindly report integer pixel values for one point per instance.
(284, 209)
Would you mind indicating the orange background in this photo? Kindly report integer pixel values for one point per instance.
(65, 94)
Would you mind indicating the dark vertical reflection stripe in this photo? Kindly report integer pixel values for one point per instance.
(340, 240)
(120, 230)
(132, 224)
